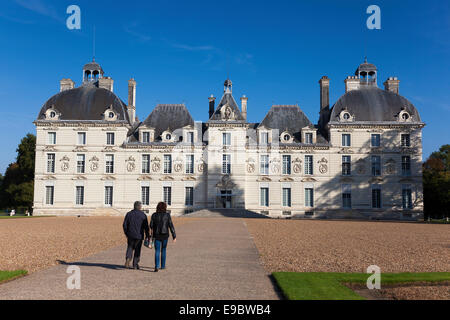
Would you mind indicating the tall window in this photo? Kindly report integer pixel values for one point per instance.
(226, 139)
(264, 164)
(226, 164)
(286, 197)
(406, 165)
(52, 138)
(190, 164)
(50, 163)
(376, 165)
(81, 138)
(167, 195)
(375, 140)
(109, 168)
(309, 197)
(405, 140)
(145, 192)
(286, 164)
(108, 195)
(189, 196)
(190, 137)
(407, 197)
(264, 197)
(308, 164)
(146, 137)
(145, 163)
(347, 196)
(49, 194)
(346, 140)
(79, 195)
(346, 165)
(264, 138)
(376, 197)
(81, 163)
(167, 163)
(309, 138)
(110, 138)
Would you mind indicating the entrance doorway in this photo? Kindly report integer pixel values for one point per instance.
(225, 197)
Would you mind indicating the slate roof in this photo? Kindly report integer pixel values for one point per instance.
(373, 104)
(168, 117)
(87, 102)
(227, 99)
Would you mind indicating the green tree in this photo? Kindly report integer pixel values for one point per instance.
(436, 184)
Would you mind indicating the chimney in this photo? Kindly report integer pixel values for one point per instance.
(324, 93)
(351, 83)
(211, 105)
(66, 84)
(244, 100)
(131, 108)
(391, 84)
(106, 83)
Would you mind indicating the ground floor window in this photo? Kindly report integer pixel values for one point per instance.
(189, 197)
(286, 197)
(309, 197)
(108, 195)
(376, 197)
(407, 197)
(145, 192)
(49, 194)
(264, 197)
(79, 195)
(167, 195)
(346, 196)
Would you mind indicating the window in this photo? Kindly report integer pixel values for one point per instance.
(407, 197)
(52, 138)
(286, 137)
(346, 116)
(189, 198)
(190, 164)
(145, 195)
(264, 164)
(109, 163)
(80, 163)
(145, 163)
(226, 164)
(264, 197)
(406, 165)
(146, 137)
(286, 197)
(405, 140)
(167, 163)
(376, 165)
(346, 165)
(376, 197)
(375, 140)
(108, 195)
(264, 138)
(308, 164)
(168, 136)
(52, 114)
(110, 138)
(49, 194)
(79, 195)
(309, 197)
(226, 139)
(405, 116)
(50, 163)
(81, 138)
(346, 196)
(286, 164)
(308, 138)
(167, 195)
(190, 137)
(346, 140)
(111, 115)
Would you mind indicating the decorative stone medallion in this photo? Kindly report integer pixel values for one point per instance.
(323, 167)
(156, 164)
(94, 163)
(65, 163)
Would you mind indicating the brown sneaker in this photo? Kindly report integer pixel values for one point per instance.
(128, 263)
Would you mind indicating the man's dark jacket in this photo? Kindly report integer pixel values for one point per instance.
(135, 224)
(160, 224)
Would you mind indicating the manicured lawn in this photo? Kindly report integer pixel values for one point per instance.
(9, 275)
(329, 285)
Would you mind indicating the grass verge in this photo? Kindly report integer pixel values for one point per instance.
(10, 275)
(329, 285)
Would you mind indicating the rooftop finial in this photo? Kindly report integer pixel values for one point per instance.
(365, 59)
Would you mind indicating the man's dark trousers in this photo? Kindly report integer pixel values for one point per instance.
(134, 245)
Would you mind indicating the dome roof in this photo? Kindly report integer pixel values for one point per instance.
(87, 102)
(373, 104)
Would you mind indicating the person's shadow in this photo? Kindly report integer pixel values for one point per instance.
(101, 265)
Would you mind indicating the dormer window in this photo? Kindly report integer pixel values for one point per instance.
(168, 136)
(286, 137)
(52, 114)
(111, 115)
(308, 138)
(146, 137)
(404, 116)
(345, 116)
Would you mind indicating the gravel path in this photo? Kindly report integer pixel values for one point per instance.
(351, 246)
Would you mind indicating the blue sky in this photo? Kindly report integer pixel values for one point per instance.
(182, 51)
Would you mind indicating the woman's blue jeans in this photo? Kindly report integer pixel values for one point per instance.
(160, 250)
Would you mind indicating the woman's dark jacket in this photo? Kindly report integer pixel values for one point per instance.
(160, 224)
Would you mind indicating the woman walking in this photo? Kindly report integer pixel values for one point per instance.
(160, 224)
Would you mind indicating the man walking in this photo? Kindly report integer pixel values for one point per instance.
(134, 226)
